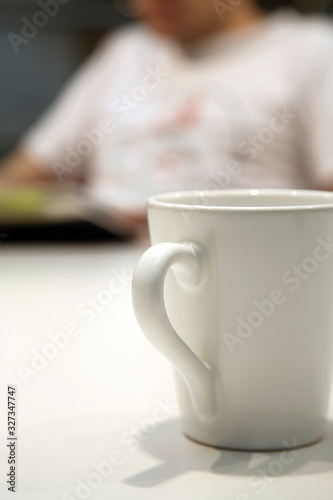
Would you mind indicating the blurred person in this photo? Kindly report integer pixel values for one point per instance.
(197, 95)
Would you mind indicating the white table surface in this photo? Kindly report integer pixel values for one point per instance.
(100, 397)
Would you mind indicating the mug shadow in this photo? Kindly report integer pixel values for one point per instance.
(179, 455)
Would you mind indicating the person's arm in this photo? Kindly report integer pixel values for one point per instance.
(315, 111)
(45, 144)
(44, 150)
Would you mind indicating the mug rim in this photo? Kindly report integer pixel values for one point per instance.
(176, 200)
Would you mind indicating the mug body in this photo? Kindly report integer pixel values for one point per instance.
(262, 316)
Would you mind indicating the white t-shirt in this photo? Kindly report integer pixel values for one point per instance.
(252, 108)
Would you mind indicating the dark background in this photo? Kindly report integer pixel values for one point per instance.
(31, 79)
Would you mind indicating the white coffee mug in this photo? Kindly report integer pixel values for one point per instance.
(237, 292)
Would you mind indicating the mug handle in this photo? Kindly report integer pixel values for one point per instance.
(149, 308)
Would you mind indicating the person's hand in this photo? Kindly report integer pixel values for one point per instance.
(2, 185)
(131, 223)
(139, 225)
(21, 168)
(126, 223)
